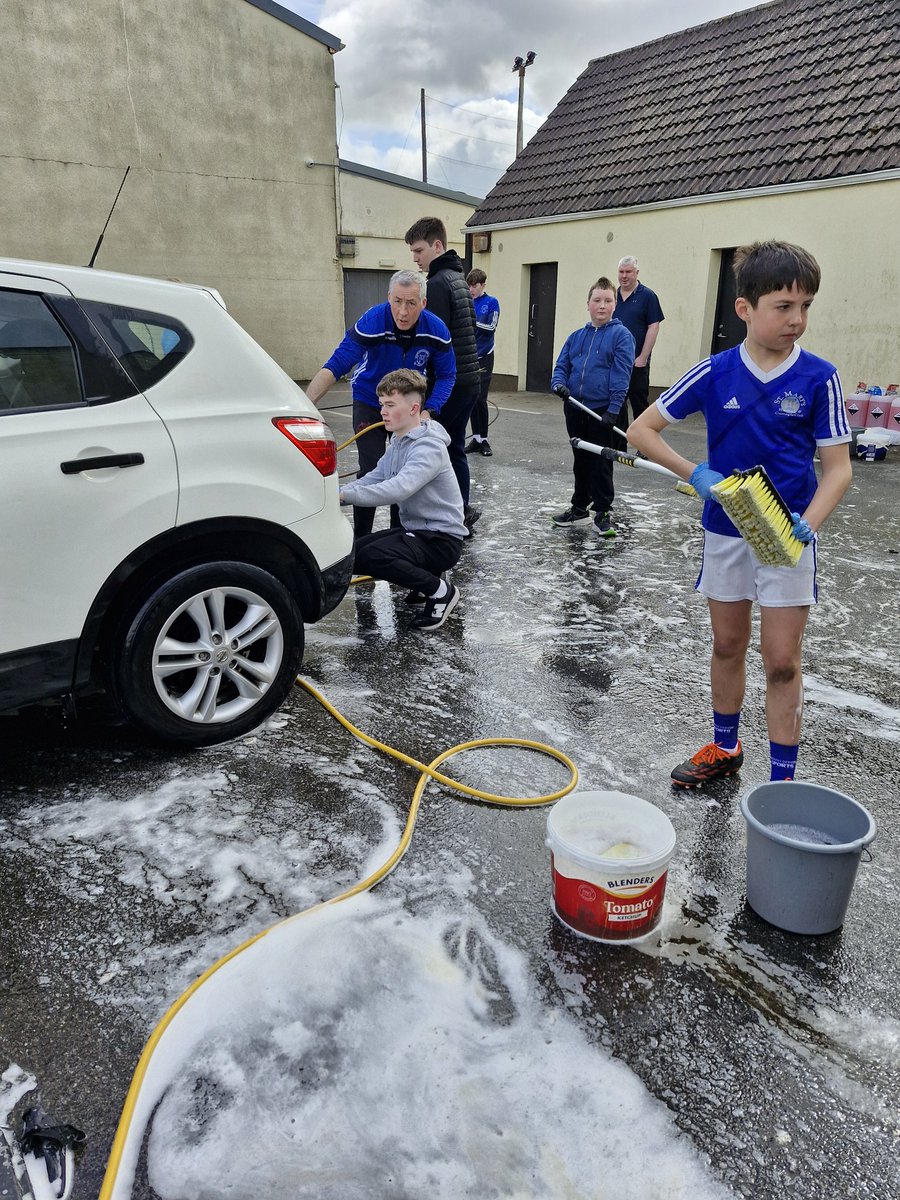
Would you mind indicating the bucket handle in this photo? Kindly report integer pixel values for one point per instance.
(868, 856)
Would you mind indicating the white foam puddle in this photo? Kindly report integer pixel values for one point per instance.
(849, 1049)
(825, 693)
(363, 1052)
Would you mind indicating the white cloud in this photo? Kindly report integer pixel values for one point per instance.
(462, 55)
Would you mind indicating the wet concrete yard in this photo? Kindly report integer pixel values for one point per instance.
(490, 1051)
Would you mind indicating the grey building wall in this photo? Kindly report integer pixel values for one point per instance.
(215, 105)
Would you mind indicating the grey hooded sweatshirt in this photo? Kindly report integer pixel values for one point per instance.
(414, 473)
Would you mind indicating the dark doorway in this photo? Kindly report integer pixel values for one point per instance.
(541, 320)
(728, 329)
(362, 290)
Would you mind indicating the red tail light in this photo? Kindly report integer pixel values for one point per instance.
(314, 438)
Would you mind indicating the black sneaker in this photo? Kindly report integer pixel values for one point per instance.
(484, 449)
(572, 516)
(437, 611)
(712, 762)
(415, 598)
(470, 516)
(473, 447)
(602, 525)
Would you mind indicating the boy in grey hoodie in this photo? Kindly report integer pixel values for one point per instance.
(415, 474)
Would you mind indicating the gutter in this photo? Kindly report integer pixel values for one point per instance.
(779, 189)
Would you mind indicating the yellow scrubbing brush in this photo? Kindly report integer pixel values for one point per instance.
(750, 499)
(752, 503)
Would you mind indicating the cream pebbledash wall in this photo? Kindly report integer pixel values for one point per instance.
(216, 106)
(852, 230)
(378, 212)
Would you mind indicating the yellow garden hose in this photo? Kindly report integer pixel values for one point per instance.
(365, 429)
(115, 1189)
(351, 440)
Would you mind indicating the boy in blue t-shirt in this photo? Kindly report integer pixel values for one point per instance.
(487, 315)
(769, 403)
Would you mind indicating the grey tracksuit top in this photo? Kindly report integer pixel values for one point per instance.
(414, 473)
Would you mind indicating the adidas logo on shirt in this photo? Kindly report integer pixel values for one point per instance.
(732, 403)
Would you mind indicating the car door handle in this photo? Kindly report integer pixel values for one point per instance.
(75, 465)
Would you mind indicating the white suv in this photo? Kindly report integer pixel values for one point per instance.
(170, 504)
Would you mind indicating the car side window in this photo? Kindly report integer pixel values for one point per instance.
(148, 345)
(38, 365)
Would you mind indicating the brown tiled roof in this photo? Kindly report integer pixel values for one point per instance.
(789, 92)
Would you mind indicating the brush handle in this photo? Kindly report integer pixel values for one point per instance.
(590, 412)
(632, 460)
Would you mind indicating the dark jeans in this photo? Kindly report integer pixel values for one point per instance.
(454, 417)
(369, 448)
(593, 474)
(414, 560)
(480, 411)
(638, 395)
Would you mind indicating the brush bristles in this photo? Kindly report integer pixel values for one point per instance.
(759, 514)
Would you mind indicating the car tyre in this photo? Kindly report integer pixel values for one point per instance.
(209, 655)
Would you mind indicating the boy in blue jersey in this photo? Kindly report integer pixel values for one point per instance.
(400, 333)
(769, 403)
(487, 314)
(594, 366)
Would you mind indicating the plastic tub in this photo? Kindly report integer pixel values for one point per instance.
(804, 843)
(609, 855)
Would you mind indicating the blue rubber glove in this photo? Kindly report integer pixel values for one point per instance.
(703, 478)
(802, 529)
(562, 391)
(609, 418)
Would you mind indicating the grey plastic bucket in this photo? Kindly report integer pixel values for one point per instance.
(796, 883)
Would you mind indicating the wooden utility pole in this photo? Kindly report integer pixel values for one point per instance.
(424, 144)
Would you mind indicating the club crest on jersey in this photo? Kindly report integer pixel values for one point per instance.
(790, 404)
(421, 359)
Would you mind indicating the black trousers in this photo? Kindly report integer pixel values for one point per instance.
(480, 420)
(593, 474)
(638, 395)
(414, 560)
(454, 416)
(369, 448)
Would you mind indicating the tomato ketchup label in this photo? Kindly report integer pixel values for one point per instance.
(613, 916)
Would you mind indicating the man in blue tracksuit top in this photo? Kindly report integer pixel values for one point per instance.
(594, 366)
(400, 333)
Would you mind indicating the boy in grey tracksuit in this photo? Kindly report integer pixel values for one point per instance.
(415, 474)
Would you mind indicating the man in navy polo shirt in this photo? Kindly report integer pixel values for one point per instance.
(637, 307)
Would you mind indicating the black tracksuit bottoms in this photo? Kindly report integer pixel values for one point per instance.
(593, 474)
(415, 560)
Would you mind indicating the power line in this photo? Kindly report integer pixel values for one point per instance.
(414, 117)
(478, 113)
(468, 136)
(465, 162)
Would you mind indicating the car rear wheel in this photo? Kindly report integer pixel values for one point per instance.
(210, 654)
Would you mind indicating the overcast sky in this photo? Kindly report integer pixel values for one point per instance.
(462, 53)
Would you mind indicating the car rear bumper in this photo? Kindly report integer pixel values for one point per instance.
(335, 581)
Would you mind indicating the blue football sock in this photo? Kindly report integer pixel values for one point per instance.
(726, 730)
(784, 761)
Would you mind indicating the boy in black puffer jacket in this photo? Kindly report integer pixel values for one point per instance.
(448, 298)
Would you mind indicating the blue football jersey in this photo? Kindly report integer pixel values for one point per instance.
(774, 419)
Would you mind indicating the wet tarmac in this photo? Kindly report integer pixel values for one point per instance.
(127, 870)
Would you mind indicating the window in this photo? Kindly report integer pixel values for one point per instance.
(38, 367)
(147, 344)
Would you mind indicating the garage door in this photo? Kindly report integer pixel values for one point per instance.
(362, 289)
